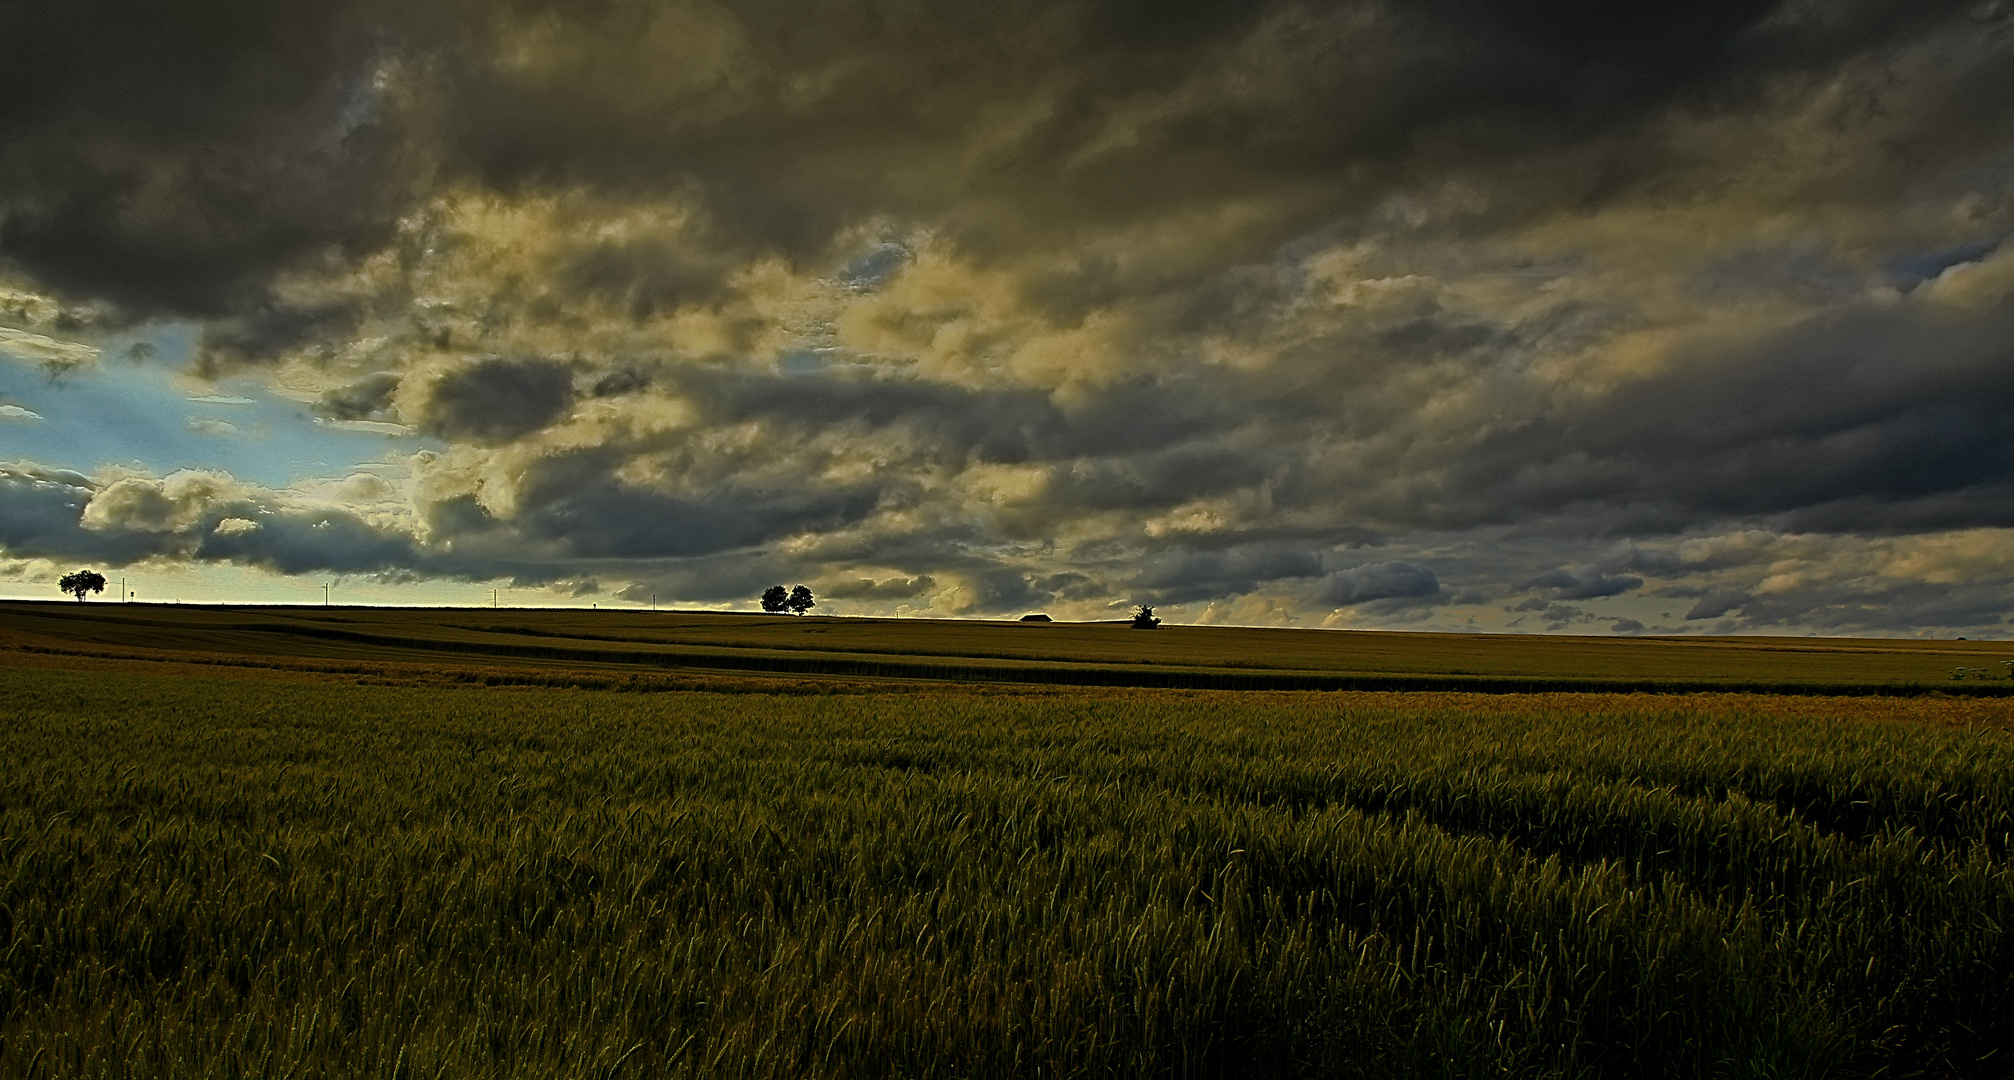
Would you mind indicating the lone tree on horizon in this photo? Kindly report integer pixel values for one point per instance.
(81, 582)
(1143, 619)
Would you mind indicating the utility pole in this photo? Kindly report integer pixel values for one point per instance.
(653, 601)
(325, 595)
(124, 596)
(493, 598)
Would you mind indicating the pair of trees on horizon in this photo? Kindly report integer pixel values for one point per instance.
(777, 600)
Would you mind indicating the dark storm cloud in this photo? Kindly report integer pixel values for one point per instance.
(369, 398)
(172, 157)
(1142, 445)
(298, 543)
(887, 589)
(628, 379)
(642, 277)
(57, 514)
(176, 158)
(606, 520)
(1553, 615)
(205, 517)
(40, 515)
(1393, 580)
(1870, 419)
(497, 400)
(1178, 576)
(1716, 605)
(1901, 606)
(1565, 585)
(1144, 442)
(994, 425)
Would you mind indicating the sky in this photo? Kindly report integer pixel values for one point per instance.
(1499, 315)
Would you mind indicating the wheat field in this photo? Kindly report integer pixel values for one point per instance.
(205, 876)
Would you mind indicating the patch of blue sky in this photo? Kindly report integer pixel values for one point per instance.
(804, 361)
(874, 266)
(144, 416)
(1907, 271)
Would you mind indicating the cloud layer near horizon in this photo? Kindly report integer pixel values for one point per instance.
(1366, 313)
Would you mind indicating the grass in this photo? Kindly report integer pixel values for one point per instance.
(208, 876)
(879, 650)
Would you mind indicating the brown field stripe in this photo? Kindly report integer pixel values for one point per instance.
(1121, 675)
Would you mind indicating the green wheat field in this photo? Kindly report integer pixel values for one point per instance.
(249, 864)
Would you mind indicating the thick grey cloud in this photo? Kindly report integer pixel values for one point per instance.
(1715, 605)
(497, 400)
(57, 514)
(43, 517)
(1566, 585)
(1866, 419)
(1380, 581)
(369, 398)
(887, 589)
(175, 159)
(1178, 575)
(1427, 311)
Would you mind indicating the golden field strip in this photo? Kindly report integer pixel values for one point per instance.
(261, 842)
(606, 644)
